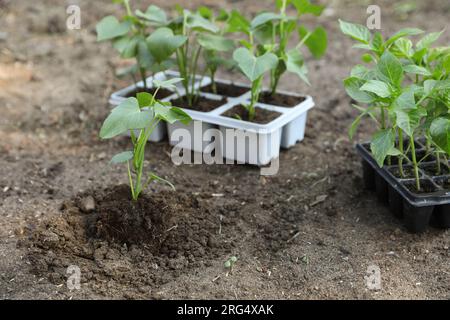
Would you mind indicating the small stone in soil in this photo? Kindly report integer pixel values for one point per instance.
(87, 204)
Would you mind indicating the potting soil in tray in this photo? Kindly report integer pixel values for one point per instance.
(224, 89)
(162, 93)
(430, 205)
(279, 99)
(262, 116)
(201, 103)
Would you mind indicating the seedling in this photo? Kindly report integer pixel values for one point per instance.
(229, 264)
(130, 36)
(273, 32)
(200, 33)
(406, 93)
(254, 69)
(140, 116)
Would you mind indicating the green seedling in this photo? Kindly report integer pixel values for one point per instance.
(132, 38)
(140, 116)
(229, 264)
(272, 32)
(406, 90)
(200, 33)
(254, 68)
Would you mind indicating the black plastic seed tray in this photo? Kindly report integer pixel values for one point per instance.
(418, 210)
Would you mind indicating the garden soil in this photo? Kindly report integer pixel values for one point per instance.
(309, 232)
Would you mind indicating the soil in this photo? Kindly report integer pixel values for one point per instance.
(309, 232)
(432, 169)
(426, 187)
(162, 93)
(262, 116)
(202, 104)
(444, 183)
(282, 100)
(408, 172)
(227, 90)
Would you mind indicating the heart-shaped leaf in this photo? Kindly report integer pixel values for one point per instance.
(109, 28)
(296, 64)
(215, 42)
(163, 43)
(126, 116)
(254, 67)
(155, 15)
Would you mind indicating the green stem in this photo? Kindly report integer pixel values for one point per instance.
(401, 148)
(130, 178)
(414, 160)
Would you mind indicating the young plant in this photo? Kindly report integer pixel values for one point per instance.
(140, 116)
(254, 68)
(273, 32)
(404, 93)
(215, 45)
(132, 38)
(200, 33)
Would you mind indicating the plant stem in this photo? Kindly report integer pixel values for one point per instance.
(438, 161)
(401, 148)
(130, 178)
(143, 77)
(414, 160)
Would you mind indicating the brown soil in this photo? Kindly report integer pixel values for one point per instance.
(226, 90)
(202, 104)
(162, 93)
(262, 116)
(310, 232)
(432, 169)
(280, 99)
(408, 172)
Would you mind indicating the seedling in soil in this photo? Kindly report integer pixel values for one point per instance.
(254, 68)
(406, 93)
(200, 33)
(140, 116)
(132, 38)
(273, 32)
(229, 264)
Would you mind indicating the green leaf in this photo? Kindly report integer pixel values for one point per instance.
(361, 72)
(238, 23)
(197, 22)
(263, 18)
(296, 64)
(390, 69)
(356, 31)
(215, 42)
(382, 142)
(254, 67)
(126, 116)
(405, 102)
(403, 48)
(167, 84)
(144, 99)
(353, 85)
(109, 28)
(305, 7)
(163, 43)
(155, 15)
(154, 177)
(414, 69)
(380, 88)
(170, 114)
(122, 157)
(428, 40)
(317, 41)
(403, 33)
(440, 133)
